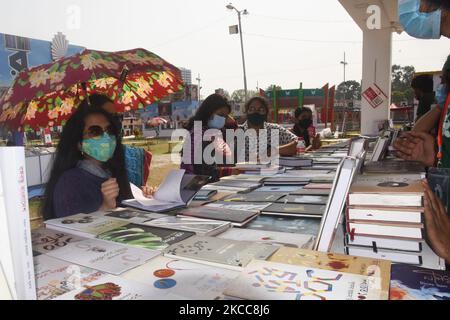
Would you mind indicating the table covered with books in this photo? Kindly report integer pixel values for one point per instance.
(343, 222)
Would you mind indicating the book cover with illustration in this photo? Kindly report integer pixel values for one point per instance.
(182, 278)
(86, 225)
(286, 224)
(337, 262)
(254, 196)
(202, 227)
(266, 280)
(143, 236)
(55, 277)
(112, 288)
(304, 241)
(45, 240)
(103, 255)
(235, 205)
(219, 252)
(304, 199)
(414, 283)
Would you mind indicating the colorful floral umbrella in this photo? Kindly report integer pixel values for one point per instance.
(47, 95)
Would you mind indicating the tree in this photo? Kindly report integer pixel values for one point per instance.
(270, 88)
(239, 95)
(351, 88)
(401, 82)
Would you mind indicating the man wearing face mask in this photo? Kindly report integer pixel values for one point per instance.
(425, 19)
(257, 110)
(304, 128)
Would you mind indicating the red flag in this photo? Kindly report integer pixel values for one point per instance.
(324, 112)
(262, 93)
(331, 108)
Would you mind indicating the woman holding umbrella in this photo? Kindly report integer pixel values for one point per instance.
(88, 172)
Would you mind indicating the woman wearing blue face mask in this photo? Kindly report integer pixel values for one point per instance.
(88, 172)
(212, 116)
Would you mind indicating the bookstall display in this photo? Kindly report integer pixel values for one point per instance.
(349, 216)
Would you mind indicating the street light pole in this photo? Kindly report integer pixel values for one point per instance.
(239, 12)
(344, 63)
(198, 81)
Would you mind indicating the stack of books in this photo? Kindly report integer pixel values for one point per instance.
(384, 219)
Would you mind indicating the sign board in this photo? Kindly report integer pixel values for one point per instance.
(374, 96)
(233, 29)
(294, 93)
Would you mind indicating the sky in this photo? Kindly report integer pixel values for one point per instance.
(285, 41)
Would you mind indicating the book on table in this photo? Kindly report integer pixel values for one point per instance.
(145, 236)
(304, 199)
(84, 225)
(254, 196)
(180, 279)
(45, 240)
(282, 239)
(103, 255)
(379, 269)
(219, 252)
(176, 191)
(202, 227)
(395, 190)
(294, 209)
(415, 283)
(16, 254)
(385, 214)
(295, 162)
(235, 205)
(238, 218)
(383, 243)
(266, 280)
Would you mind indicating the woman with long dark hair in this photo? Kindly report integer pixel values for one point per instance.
(88, 172)
(213, 113)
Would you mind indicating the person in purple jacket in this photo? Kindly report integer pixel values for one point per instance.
(88, 172)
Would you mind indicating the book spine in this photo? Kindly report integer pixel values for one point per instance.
(12, 166)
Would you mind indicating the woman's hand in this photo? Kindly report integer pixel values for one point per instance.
(154, 122)
(316, 143)
(148, 191)
(110, 192)
(437, 223)
(416, 146)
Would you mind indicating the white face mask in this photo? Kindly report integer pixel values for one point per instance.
(217, 122)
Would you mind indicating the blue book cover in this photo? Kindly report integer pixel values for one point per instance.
(414, 283)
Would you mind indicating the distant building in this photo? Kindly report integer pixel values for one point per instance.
(131, 123)
(186, 75)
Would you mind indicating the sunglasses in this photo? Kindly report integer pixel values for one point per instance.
(97, 131)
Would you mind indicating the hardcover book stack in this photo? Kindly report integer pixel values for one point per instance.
(384, 219)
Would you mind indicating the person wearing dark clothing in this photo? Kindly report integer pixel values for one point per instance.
(88, 173)
(423, 91)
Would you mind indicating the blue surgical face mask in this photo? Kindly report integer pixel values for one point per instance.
(441, 95)
(100, 148)
(217, 122)
(423, 25)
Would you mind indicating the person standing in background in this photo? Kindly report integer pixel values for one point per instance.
(423, 92)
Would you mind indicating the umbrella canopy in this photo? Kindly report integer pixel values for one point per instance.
(47, 95)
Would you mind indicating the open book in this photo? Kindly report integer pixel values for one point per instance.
(176, 191)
